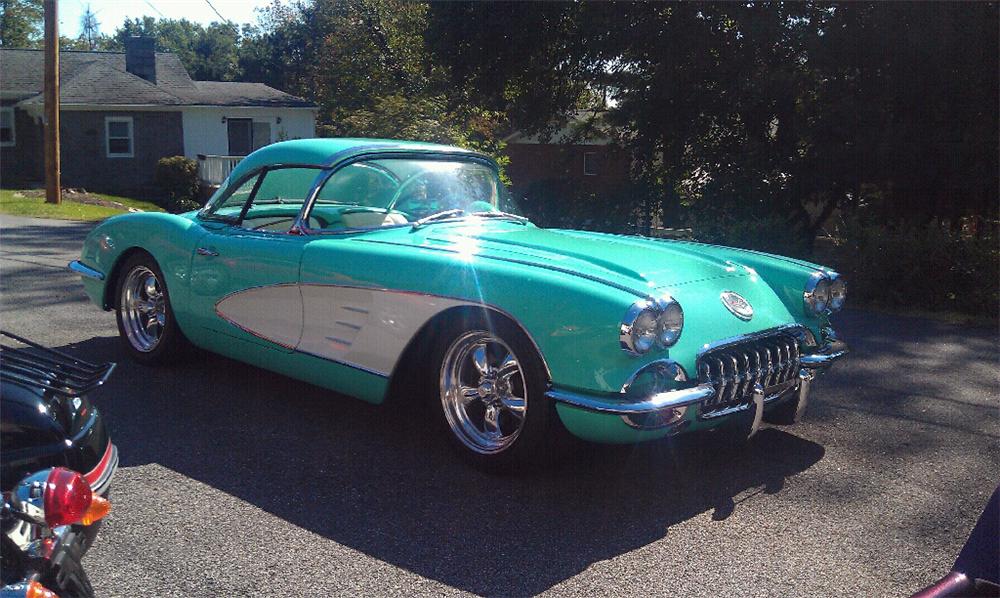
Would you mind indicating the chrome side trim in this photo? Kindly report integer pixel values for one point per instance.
(86, 271)
(353, 366)
(657, 402)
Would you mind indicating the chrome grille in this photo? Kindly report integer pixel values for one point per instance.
(735, 369)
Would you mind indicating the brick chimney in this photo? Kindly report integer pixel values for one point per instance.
(140, 57)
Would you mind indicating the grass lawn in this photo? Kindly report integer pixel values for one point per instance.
(74, 206)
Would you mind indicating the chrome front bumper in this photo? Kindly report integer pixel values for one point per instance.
(684, 397)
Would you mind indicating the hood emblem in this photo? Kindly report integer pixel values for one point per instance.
(736, 304)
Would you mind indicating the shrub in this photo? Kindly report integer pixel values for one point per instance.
(559, 204)
(773, 234)
(926, 267)
(177, 178)
(923, 267)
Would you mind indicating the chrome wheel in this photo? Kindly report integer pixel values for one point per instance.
(483, 392)
(143, 309)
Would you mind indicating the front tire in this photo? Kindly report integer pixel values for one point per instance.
(146, 323)
(491, 386)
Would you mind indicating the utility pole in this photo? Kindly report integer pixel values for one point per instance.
(53, 192)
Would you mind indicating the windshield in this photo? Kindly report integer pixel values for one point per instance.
(400, 191)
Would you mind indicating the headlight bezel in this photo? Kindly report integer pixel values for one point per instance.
(641, 313)
(818, 295)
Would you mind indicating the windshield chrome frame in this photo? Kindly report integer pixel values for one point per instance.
(301, 226)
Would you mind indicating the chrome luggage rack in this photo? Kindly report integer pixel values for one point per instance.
(34, 366)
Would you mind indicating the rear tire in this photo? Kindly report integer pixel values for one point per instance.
(146, 322)
(490, 398)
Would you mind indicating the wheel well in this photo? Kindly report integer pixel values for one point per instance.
(110, 297)
(423, 343)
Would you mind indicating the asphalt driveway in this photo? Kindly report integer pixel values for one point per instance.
(236, 481)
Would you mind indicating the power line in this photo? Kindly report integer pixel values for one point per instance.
(224, 19)
(150, 4)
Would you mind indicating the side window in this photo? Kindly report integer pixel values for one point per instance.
(230, 206)
(279, 199)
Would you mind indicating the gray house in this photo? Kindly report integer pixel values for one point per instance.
(121, 112)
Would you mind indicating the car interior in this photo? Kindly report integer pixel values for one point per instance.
(362, 195)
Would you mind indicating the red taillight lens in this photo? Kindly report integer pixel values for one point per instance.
(67, 497)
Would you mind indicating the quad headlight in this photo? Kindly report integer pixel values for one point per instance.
(649, 323)
(824, 292)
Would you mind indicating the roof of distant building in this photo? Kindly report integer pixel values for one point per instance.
(101, 78)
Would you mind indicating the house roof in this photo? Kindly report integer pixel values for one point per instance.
(100, 78)
(224, 93)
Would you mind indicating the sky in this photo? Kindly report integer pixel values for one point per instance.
(112, 13)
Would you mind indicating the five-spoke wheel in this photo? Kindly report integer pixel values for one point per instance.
(145, 320)
(143, 308)
(490, 383)
(483, 392)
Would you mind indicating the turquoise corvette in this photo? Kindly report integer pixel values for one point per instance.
(366, 266)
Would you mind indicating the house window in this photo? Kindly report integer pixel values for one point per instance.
(118, 133)
(261, 134)
(247, 135)
(590, 163)
(6, 126)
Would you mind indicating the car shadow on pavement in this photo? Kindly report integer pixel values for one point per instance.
(47, 239)
(385, 483)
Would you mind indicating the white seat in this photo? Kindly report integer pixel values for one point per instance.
(371, 219)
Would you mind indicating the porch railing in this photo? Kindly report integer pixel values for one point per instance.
(212, 170)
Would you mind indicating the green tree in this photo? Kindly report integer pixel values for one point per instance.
(208, 53)
(365, 63)
(751, 109)
(20, 23)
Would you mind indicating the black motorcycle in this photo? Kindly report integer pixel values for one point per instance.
(56, 468)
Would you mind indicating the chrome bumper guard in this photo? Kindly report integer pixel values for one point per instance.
(85, 271)
(826, 357)
(672, 399)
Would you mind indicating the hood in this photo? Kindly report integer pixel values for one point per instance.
(639, 265)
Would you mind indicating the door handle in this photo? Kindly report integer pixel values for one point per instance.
(207, 252)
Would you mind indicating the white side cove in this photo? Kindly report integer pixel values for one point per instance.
(360, 327)
(272, 313)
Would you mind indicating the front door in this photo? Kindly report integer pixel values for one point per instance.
(245, 268)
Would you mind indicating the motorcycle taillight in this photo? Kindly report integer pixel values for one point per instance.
(67, 497)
